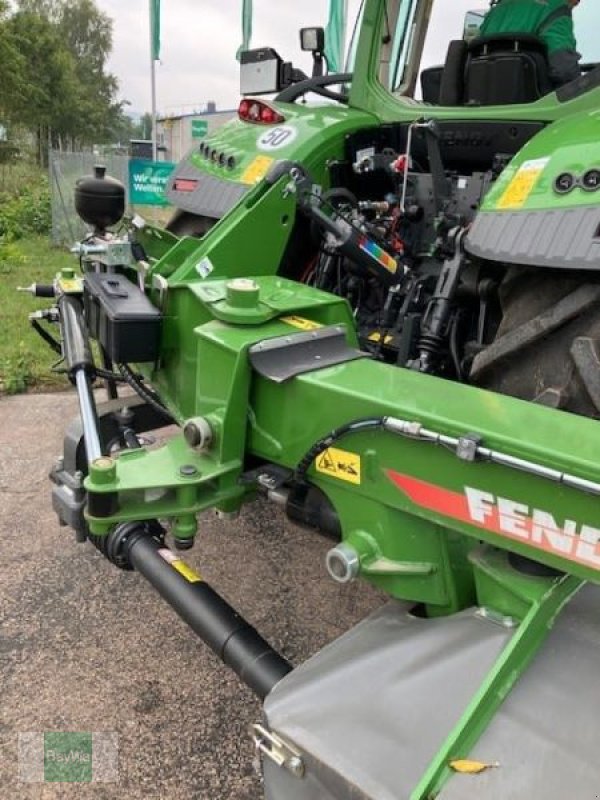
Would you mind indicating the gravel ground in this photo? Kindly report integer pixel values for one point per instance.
(85, 647)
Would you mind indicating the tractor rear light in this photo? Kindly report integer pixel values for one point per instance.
(269, 116)
(259, 112)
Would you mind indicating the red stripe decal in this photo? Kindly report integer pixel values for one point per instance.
(538, 528)
(432, 497)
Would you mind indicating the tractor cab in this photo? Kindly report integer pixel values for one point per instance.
(427, 49)
(431, 50)
(501, 69)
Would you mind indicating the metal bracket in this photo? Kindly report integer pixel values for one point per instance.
(267, 476)
(271, 746)
(284, 357)
(467, 447)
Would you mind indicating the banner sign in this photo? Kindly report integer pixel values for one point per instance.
(199, 128)
(335, 33)
(155, 28)
(147, 182)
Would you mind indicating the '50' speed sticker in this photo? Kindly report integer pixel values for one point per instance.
(277, 137)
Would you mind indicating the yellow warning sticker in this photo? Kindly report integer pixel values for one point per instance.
(300, 322)
(376, 337)
(256, 169)
(521, 186)
(339, 464)
(184, 569)
(71, 285)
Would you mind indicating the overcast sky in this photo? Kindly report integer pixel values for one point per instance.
(199, 41)
(200, 38)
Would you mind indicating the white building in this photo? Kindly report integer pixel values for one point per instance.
(177, 133)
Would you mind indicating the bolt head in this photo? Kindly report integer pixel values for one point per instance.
(296, 766)
(188, 471)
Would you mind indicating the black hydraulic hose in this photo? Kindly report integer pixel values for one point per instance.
(318, 83)
(110, 376)
(219, 625)
(47, 337)
(357, 426)
(146, 394)
(110, 383)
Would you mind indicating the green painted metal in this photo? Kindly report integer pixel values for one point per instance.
(411, 552)
(270, 420)
(241, 140)
(417, 515)
(171, 481)
(569, 145)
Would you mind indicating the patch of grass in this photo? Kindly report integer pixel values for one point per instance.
(15, 175)
(25, 360)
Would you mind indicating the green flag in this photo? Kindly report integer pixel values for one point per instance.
(335, 34)
(155, 28)
(246, 27)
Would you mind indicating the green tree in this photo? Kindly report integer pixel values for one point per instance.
(145, 126)
(85, 92)
(49, 9)
(11, 65)
(49, 87)
(87, 34)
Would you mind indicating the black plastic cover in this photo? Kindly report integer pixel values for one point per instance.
(121, 318)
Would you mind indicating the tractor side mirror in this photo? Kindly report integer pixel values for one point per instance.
(312, 40)
(260, 71)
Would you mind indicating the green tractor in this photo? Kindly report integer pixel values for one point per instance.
(382, 314)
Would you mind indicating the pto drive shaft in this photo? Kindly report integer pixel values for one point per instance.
(219, 625)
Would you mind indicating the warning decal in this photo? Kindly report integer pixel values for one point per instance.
(188, 573)
(182, 568)
(71, 285)
(257, 169)
(301, 322)
(339, 464)
(521, 186)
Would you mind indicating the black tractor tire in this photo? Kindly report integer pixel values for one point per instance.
(547, 347)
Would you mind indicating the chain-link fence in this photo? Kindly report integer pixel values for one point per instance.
(65, 169)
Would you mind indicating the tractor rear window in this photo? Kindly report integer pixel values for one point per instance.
(446, 23)
(448, 19)
(586, 17)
